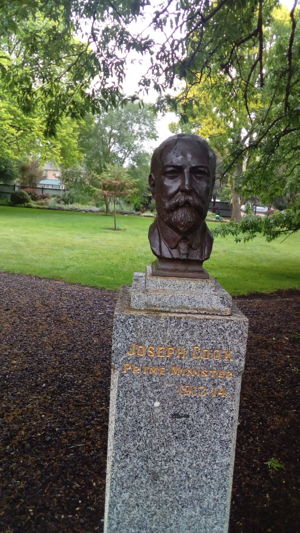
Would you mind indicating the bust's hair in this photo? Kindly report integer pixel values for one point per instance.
(171, 142)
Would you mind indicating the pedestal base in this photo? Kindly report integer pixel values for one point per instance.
(178, 269)
(173, 416)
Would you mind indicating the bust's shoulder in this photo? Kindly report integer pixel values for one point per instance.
(153, 228)
(154, 238)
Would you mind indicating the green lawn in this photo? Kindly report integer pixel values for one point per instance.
(78, 248)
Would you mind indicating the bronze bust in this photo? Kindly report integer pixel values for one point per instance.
(181, 181)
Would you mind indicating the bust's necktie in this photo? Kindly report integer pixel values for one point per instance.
(183, 246)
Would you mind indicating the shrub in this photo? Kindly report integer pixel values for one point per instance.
(35, 196)
(42, 202)
(19, 198)
(68, 197)
(4, 199)
(32, 193)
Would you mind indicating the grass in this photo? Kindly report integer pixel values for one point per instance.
(78, 248)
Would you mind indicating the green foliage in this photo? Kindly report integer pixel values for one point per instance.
(19, 132)
(40, 91)
(116, 136)
(58, 69)
(64, 146)
(247, 109)
(80, 184)
(34, 196)
(269, 227)
(22, 135)
(139, 171)
(274, 464)
(8, 170)
(19, 198)
(4, 199)
(46, 65)
(68, 197)
(239, 59)
(42, 64)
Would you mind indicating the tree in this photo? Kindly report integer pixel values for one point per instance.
(28, 101)
(80, 184)
(202, 38)
(233, 115)
(22, 135)
(116, 136)
(197, 33)
(64, 146)
(8, 170)
(31, 173)
(47, 64)
(139, 172)
(42, 61)
(206, 112)
(115, 184)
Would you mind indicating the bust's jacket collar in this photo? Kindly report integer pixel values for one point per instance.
(172, 238)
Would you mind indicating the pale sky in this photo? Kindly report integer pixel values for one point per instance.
(287, 3)
(139, 67)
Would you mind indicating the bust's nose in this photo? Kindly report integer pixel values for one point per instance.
(186, 180)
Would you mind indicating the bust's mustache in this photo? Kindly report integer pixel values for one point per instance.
(183, 200)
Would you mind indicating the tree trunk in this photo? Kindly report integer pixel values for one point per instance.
(106, 201)
(236, 207)
(235, 199)
(115, 218)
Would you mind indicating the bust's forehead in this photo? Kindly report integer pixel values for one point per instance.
(183, 152)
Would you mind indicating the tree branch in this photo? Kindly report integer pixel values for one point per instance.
(236, 44)
(252, 145)
(290, 58)
(212, 13)
(261, 42)
(253, 67)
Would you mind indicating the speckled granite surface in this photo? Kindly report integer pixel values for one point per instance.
(179, 295)
(173, 414)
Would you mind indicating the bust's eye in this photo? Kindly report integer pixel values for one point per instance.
(199, 172)
(172, 172)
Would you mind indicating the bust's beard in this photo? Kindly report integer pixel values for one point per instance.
(184, 219)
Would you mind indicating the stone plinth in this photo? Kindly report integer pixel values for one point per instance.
(179, 295)
(175, 390)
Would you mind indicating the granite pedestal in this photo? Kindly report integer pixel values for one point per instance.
(175, 388)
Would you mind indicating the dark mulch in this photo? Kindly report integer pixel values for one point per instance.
(55, 351)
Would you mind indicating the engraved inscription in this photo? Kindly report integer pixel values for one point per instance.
(154, 370)
(177, 371)
(176, 354)
(188, 390)
(201, 372)
(179, 352)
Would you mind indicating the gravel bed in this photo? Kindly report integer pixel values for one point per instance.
(55, 372)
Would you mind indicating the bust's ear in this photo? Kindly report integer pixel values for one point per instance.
(152, 183)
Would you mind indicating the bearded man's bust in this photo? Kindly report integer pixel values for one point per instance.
(181, 181)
